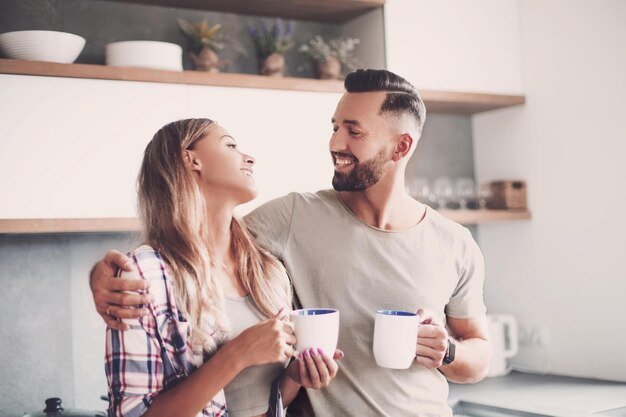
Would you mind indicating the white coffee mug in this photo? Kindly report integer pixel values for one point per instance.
(316, 328)
(395, 338)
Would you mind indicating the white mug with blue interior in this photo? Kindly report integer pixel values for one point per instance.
(316, 328)
(395, 338)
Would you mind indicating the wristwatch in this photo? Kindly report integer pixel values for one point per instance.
(449, 358)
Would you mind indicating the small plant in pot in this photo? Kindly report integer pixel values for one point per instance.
(331, 57)
(205, 40)
(271, 43)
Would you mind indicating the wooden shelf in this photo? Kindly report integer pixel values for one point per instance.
(329, 11)
(485, 216)
(436, 101)
(32, 226)
(105, 72)
(467, 103)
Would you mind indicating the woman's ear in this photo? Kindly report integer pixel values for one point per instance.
(403, 147)
(190, 161)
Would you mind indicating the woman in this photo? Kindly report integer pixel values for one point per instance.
(215, 337)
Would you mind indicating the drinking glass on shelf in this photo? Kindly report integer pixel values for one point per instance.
(419, 189)
(484, 194)
(444, 192)
(466, 191)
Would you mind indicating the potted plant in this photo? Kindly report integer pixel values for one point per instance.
(331, 57)
(271, 43)
(205, 40)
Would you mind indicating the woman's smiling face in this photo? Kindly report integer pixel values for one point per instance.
(221, 168)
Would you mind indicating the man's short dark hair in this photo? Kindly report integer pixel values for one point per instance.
(402, 96)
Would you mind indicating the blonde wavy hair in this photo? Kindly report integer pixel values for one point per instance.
(172, 210)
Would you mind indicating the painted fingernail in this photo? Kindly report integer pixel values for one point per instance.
(320, 351)
(306, 353)
(313, 352)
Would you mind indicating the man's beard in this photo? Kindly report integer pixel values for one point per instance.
(363, 174)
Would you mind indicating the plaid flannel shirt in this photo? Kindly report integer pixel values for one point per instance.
(155, 353)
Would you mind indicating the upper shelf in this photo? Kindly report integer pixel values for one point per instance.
(14, 226)
(436, 101)
(485, 216)
(330, 11)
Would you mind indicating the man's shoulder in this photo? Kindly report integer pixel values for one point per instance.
(448, 229)
(322, 197)
(307, 197)
(292, 201)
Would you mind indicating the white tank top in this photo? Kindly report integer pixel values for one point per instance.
(248, 394)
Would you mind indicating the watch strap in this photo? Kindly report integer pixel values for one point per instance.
(450, 353)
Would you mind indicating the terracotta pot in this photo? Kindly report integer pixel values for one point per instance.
(205, 60)
(273, 65)
(330, 69)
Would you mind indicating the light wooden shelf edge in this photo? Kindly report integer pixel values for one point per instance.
(468, 103)
(34, 226)
(104, 72)
(485, 216)
(436, 101)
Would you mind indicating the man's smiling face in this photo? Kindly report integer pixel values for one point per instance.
(360, 145)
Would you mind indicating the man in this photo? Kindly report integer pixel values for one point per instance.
(364, 246)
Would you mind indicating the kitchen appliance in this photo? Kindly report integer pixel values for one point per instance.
(504, 342)
(54, 408)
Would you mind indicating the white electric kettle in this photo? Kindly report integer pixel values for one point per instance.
(503, 337)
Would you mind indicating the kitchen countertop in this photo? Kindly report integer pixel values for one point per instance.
(545, 394)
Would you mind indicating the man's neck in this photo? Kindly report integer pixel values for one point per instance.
(384, 206)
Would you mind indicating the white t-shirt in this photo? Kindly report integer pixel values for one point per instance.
(336, 261)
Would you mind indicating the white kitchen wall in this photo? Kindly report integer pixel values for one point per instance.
(72, 147)
(455, 45)
(286, 131)
(561, 273)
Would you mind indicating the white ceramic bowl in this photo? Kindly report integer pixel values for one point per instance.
(145, 54)
(42, 45)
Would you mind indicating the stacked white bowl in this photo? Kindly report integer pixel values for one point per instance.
(145, 54)
(42, 45)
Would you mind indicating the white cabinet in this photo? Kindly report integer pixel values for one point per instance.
(71, 148)
(455, 45)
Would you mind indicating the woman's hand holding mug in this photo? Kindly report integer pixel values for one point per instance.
(317, 330)
(314, 368)
(269, 341)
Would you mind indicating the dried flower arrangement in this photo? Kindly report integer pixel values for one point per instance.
(205, 41)
(271, 42)
(331, 56)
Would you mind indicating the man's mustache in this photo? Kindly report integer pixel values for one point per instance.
(343, 154)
